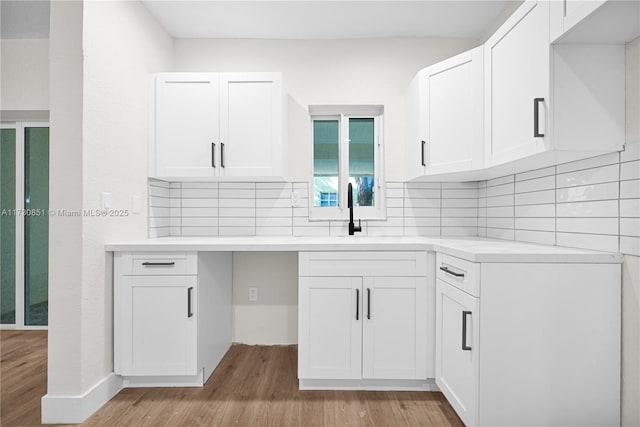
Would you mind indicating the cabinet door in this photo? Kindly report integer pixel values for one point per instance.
(251, 133)
(394, 328)
(186, 125)
(330, 325)
(516, 74)
(454, 120)
(159, 333)
(457, 349)
(565, 14)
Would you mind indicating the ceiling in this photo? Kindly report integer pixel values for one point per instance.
(314, 19)
(293, 19)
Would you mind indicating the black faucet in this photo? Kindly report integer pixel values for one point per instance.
(352, 227)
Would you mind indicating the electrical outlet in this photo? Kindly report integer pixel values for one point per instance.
(295, 199)
(253, 294)
(105, 201)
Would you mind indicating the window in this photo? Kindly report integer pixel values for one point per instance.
(347, 148)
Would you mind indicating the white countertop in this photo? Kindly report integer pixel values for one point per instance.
(471, 249)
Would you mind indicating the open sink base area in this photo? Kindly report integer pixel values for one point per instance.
(252, 386)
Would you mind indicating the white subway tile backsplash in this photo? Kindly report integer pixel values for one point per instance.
(631, 152)
(630, 208)
(536, 211)
(630, 227)
(588, 241)
(606, 208)
(499, 181)
(199, 222)
(537, 173)
(209, 212)
(535, 224)
(537, 184)
(500, 223)
(535, 197)
(507, 200)
(607, 191)
(500, 233)
(500, 212)
(630, 245)
(593, 203)
(630, 189)
(540, 237)
(461, 193)
(630, 170)
(592, 162)
(459, 185)
(588, 225)
(597, 175)
(459, 212)
(199, 231)
(460, 203)
(422, 222)
(500, 190)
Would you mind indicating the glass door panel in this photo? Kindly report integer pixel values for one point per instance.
(8, 226)
(36, 225)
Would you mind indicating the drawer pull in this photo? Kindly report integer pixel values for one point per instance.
(189, 294)
(155, 264)
(369, 303)
(357, 304)
(464, 330)
(453, 273)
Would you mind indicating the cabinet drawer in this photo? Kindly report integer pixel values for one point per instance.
(462, 274)
(363, 263)
(159, 263)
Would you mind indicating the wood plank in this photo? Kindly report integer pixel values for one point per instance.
(253, 385)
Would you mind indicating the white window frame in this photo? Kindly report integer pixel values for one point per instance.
(20, 127)
(343, 113)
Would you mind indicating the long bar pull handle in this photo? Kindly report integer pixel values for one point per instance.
(369, 303)
(189, 296)
(464, 330)
(423, 144)
(357, 304)
(536, 118)
(150, 264)
(453, 273)
(213, 154)
(222, 154)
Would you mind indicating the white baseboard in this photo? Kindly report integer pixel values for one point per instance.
(76, 409)
(364, 384)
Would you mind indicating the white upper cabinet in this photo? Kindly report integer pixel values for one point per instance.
(217, 126)
(594, 21)
(251, 119)
(445, 119)
(517, 85)
(547, 104)
(185, 126)
(567, 13)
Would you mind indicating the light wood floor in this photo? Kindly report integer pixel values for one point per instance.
(253, 386)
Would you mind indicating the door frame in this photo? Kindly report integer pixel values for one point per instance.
(20, 127)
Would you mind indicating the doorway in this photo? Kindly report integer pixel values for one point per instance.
(24, 225)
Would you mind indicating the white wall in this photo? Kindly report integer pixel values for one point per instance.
(101, 56)
(123, 44)
(631, 266)
(24, 75)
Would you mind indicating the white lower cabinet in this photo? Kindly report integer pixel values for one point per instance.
(172, 316)
(529, 343)
(358, 326)
(457, 348)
